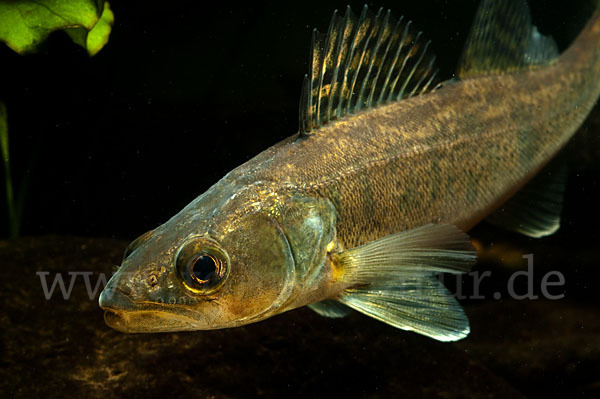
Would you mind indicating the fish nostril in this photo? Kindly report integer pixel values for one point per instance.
(152, 280)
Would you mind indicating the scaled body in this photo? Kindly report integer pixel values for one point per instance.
(365, 209)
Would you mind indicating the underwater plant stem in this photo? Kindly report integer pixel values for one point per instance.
(13, 217)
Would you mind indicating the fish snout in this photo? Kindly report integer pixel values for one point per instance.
(114, 299)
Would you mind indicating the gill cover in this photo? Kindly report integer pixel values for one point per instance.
(309, 225)
(277, 255)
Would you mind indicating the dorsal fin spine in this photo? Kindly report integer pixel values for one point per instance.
(332, 38)
(385, 31)
(385, 86)
(362, 62)
(433, 75)
(342, 106)
(305, 116)
(412, 72)
(310, 88)
(346, 31)
(362, 51)
(416, 89)
(395, 81)
(326, 55)
(414, 68)
(380, 28)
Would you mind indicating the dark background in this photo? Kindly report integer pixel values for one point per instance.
(115, 144)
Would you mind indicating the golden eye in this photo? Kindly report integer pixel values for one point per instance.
(203, 268)
(202, 265)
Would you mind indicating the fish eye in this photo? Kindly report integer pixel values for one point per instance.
(202, 265)
(136, 243)
(204, 268)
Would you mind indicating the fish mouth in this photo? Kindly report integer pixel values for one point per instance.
(123, 314)
(112, 299)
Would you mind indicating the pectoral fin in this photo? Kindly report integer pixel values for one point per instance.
(395, 280)
(421, 304)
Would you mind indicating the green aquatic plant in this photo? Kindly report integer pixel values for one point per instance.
(25, 24)
(14, 210)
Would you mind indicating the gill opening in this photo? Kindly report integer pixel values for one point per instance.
(287, 294)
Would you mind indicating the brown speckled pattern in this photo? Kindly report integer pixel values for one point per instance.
(448, 156)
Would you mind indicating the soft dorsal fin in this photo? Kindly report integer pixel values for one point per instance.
(363, 62)
(503, 39)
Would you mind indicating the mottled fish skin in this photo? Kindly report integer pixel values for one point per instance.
(450, 156)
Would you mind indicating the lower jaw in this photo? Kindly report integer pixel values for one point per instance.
(147, 322)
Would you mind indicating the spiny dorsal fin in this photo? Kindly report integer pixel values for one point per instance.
(503, 39)
(361, 63)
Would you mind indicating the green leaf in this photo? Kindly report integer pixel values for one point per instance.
(95, 39)
(24, 24)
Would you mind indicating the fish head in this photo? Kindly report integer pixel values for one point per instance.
(223, 261)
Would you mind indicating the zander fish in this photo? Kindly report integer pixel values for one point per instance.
(370, 200)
